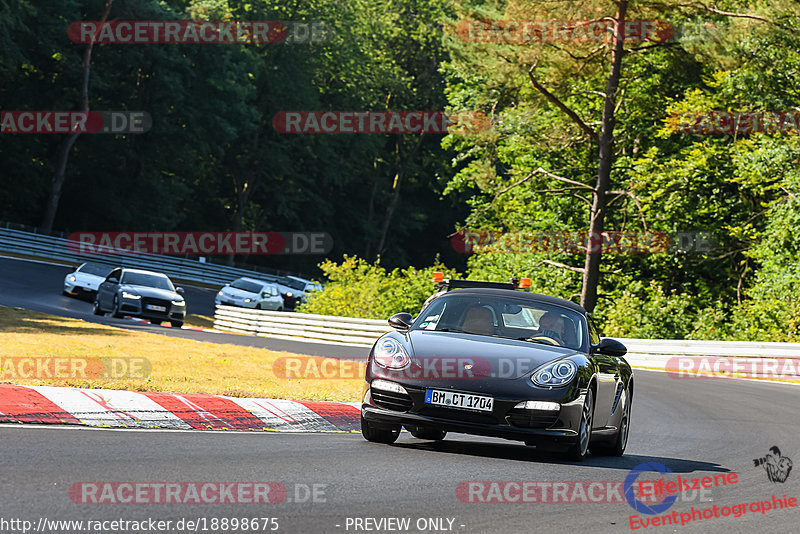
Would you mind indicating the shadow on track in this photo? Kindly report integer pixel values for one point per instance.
(522, 453)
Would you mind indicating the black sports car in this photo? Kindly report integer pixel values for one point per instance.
(483, 358)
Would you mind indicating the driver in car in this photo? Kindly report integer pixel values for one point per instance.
(552, 325)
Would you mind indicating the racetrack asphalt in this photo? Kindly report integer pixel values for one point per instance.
(695, 427)
(37, 286)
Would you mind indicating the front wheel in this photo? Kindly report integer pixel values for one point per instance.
(580, 450)
(617, 447)
(176, 324)
(115, 309)
(377, 434)
(96, 309)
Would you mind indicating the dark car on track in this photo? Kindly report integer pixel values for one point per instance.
(145, 294)
(487, 359)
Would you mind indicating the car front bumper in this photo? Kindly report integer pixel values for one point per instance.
(505, 421)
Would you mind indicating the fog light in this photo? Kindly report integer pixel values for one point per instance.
(539, 405)
(385, 385)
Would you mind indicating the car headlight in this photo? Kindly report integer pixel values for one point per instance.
(72, 278)
(248, 300)
(220, 293)
(130, 296)
(391, 354)
(289, 294)
(555, 374)
(178, 302)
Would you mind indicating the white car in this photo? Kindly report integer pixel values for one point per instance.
(305, 286)
(85, 279)
(251, 293)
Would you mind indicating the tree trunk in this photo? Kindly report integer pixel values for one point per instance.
(591, 272)
(49, 216)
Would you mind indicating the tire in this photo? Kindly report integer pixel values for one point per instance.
(280, 309)
(580, 450)
(379, 435)
(96, 309)
(176, 324)
(156, 322)
(617, 447)
(421, 432)
(258, 306)
(115, 308)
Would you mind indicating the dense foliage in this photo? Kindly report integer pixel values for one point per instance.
(214, 161)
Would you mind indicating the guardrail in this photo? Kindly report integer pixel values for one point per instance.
(642, 353)
(55, 248)
(300, 326)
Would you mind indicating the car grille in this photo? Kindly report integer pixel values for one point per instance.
(466, 416)
(155, 302)
(532, 418)
(399, 402)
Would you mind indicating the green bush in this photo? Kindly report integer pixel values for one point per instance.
(356, 288)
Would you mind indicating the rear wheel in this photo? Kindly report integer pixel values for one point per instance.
(617, 447)
(580, 450)
(421, 432)
(379, 434)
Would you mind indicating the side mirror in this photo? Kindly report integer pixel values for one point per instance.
(401, 321)
(179, 290)
(611, 347)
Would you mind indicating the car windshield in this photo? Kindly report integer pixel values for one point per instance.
(507, 317)
(147, 280)
(294, 284)
(246, 285)
(95, 269)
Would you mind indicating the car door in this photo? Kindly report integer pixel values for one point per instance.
(108, 288)
(607, 379)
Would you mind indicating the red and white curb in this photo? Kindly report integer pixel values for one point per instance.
(185, 411)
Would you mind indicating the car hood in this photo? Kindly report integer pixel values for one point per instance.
(151, 292)
(491, 356)
(238, 293)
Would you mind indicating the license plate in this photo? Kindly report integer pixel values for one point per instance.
(464, 401)
(153, 307)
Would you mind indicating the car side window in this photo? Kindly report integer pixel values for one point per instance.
(594, 333)
(114, 275)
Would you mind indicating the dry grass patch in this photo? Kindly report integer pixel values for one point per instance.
(177, 365)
